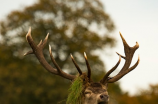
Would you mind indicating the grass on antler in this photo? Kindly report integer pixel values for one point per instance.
(75, 90)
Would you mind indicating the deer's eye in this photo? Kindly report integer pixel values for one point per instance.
(87, 92)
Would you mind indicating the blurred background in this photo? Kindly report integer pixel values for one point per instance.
(77, 26)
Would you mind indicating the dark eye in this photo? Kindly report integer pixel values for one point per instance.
(88, 92)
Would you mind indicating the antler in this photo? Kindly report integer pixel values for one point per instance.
(129, 52)
(88, 67)
(38, 51)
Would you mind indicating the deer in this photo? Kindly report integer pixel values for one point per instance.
(92, 92)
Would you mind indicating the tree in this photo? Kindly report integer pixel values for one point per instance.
(145, 96)
(69, 23)
(73, 26)
(149, 95)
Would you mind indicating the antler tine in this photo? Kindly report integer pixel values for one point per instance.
(105, 78)
(31, 42)
(53, 60)
(30, 39)
(29, 52)
(38, 51)
(129, 52)
(45, 41)
(120, 75)
(88, 66)
(135, 65)
(120, 55)
(78, 68)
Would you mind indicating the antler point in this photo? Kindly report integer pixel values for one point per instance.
(24, 54)
(71, 56)
(85, 55)
(50, 50)
(29, 52)
(28, 33)
(137, 44)
(120, 33)
(47, 36)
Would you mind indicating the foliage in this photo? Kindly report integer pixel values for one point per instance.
(150, 95)
(22, 82)
(75, 91)
(144, 96)
(73, 26)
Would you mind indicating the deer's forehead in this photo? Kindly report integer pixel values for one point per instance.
(96, 88)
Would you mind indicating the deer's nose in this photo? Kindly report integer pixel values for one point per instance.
(104, 97)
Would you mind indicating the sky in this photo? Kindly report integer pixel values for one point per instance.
(137, 20)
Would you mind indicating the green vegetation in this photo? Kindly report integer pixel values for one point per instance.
(75, 91)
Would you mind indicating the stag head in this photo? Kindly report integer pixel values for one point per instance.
(92, 92)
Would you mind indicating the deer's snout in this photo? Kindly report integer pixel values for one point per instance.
(104, 97)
